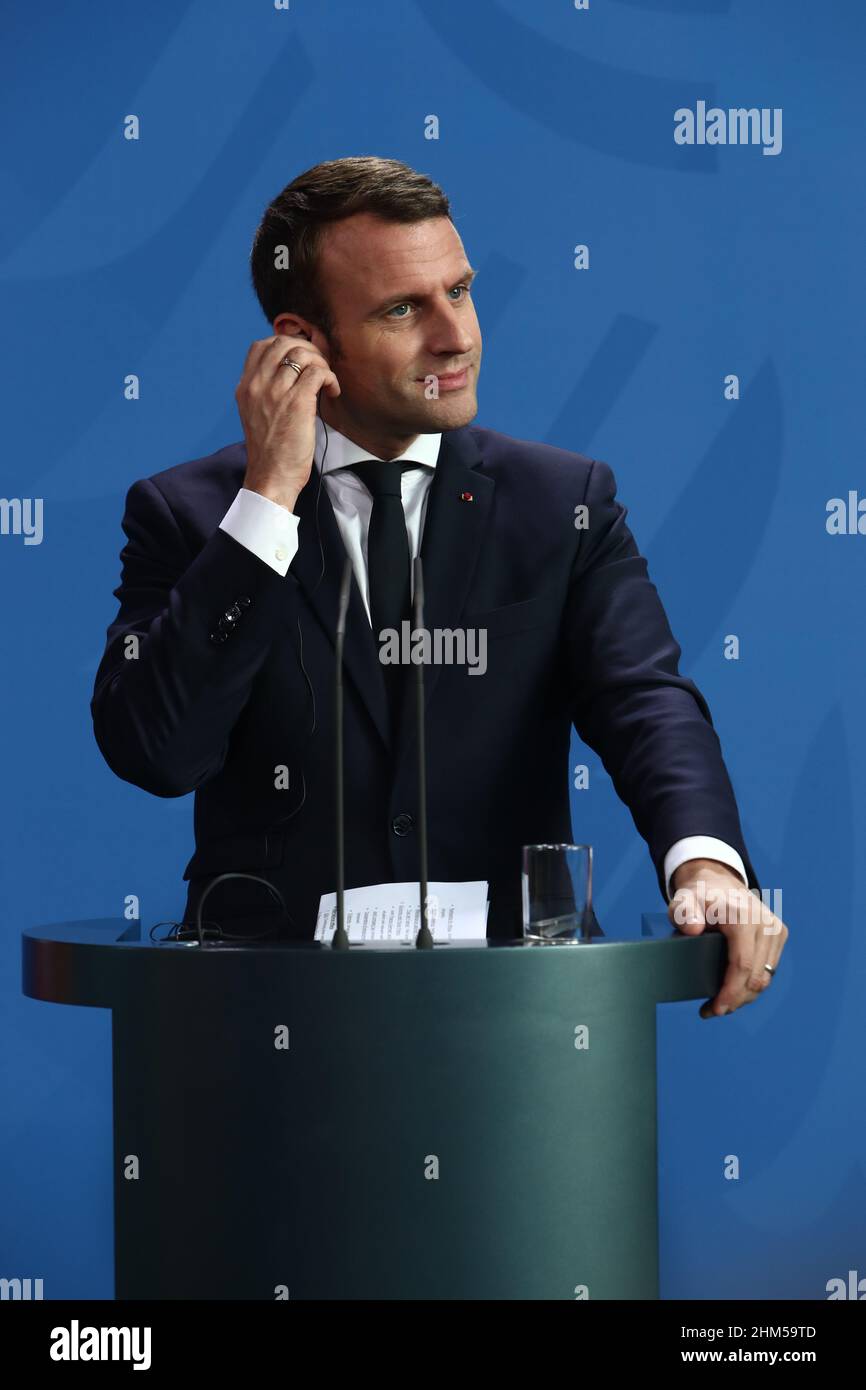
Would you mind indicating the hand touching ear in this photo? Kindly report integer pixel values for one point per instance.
(277, 405)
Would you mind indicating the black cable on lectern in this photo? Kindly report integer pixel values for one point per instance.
(220, 878)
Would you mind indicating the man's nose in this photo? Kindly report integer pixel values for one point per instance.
(450, 332)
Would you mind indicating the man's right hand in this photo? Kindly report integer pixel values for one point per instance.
(278, 413)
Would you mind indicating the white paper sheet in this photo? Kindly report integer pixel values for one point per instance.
(391, 912)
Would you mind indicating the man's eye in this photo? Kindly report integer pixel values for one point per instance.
(406, 305)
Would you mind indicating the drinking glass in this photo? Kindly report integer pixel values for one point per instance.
(557, 893)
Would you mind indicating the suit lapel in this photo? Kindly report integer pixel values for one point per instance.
(451, 540)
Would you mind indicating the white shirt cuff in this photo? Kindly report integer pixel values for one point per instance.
(701, 847)
(266, 528)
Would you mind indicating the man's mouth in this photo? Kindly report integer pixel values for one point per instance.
(449, 381)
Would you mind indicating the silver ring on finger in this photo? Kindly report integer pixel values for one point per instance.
(287, 362)
(770, 968)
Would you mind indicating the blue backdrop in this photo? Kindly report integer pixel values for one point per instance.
(556, 128)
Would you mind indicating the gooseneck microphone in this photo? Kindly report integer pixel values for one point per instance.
(340, 940)
(424, 939)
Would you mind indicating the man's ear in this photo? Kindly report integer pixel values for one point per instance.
(302, 328)
(293, 326)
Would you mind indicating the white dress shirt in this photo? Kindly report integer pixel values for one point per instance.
(270, 531)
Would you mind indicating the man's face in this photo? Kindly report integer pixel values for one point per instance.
(404, 322)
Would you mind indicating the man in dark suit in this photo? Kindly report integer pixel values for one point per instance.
(218, 672)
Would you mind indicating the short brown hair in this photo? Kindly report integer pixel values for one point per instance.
(330, 192)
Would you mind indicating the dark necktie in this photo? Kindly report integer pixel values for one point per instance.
(388, 561)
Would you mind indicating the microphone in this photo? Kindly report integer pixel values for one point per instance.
(424, 939)
(340, 941)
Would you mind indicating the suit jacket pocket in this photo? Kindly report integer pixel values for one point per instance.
(515, 617)
(238, 853)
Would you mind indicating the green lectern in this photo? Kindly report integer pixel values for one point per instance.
(468, 1122)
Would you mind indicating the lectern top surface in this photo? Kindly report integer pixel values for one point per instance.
(117, 932)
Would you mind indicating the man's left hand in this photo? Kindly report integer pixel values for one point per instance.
(707, 893)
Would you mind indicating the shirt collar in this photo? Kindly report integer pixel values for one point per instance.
(342, 451)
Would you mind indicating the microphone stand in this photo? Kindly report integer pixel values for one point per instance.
(424, 939)
(340, 940)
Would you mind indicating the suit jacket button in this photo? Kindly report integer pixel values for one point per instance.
(402, 824)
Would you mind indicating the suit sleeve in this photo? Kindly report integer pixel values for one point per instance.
(181, 655)
(651, 727)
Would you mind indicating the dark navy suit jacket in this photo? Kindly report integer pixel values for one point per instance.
(576, 634)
